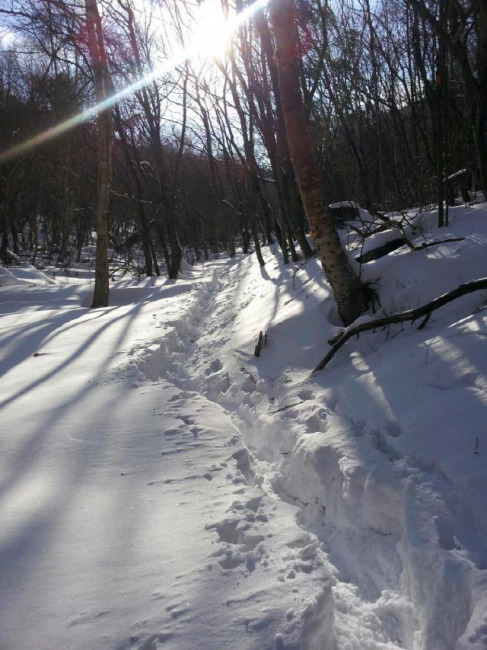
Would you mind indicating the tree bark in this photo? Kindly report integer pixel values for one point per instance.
(349, 294)
(274, 137)
(103, 86)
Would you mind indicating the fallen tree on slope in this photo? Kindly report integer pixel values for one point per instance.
(424, 312)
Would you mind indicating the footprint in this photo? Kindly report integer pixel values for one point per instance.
(393, 428)
(173, 432)
(383, 445)
(230, 561)
(359, 428)
(196, 431)
(480, 634)
(87, 617)
(187, 419)
(252, 540)
(176, 611)
(300, 542)
(152, 643)
(244, 465)
(317, 423)
(445, 533)
(214, 367)
(226, 530)
(172, 452)
(305, 394)
(236, 506)
(157, 595)
(183, 396)
(253, 504)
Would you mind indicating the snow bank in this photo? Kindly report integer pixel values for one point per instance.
(344, 511)
(381, 451)
(23, 275)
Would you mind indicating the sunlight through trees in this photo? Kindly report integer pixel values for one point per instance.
(394, 113)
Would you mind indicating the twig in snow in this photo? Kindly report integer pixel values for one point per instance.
(261, 341)
(283, 408)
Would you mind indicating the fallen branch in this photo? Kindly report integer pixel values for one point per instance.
(410, 315)
(398, 225)
(283, 408)
(364, 234)
(433, 243)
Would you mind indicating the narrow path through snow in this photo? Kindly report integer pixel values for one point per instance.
(127, 520)
(161, 487)
(364, 565)
(359, 499)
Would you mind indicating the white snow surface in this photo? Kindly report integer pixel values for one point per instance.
(162, 487)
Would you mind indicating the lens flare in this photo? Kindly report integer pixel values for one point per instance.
(199, 47)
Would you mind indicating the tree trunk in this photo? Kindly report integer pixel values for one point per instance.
(131, 166)
(349, 294)
(102, 82)
(271, 124)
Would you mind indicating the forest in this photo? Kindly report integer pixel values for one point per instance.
(199, 200)
(191, 156)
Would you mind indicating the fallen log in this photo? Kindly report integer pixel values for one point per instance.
(410, 315)
(381, 251)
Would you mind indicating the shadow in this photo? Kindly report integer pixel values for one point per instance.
(26, 340)
(74, 355)
(29, 339)
(301, 283)
(57, 465)
(39, 552)
(400, 421)
(26, 452)
(15, 299)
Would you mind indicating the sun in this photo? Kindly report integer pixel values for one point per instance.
(213, 30)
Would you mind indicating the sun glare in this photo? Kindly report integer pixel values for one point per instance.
(210, 38)
(213, 30)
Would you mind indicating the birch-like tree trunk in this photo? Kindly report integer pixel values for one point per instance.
(349, 294)
(103, 87)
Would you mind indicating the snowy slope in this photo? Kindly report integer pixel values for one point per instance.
(126, 518)
(161, 487)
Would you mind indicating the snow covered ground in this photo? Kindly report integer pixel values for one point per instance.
(162, 487)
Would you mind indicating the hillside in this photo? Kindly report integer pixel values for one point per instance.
(162, 487)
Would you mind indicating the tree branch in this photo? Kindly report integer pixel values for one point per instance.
(410, 315)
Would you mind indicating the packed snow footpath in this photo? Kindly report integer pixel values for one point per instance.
(162, 487)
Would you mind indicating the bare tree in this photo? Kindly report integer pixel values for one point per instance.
(103, 90)
(462, 30)
(349, 293)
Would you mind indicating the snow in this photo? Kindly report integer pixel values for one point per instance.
(26, 275)
(162, 487)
